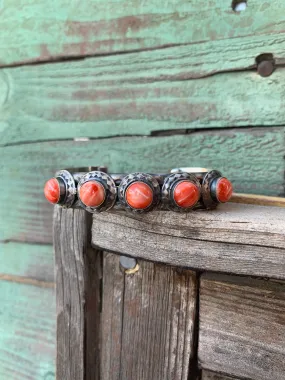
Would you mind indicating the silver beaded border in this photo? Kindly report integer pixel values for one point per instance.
(139, 177)
(170, 183)
(70, 188)
(110, 188)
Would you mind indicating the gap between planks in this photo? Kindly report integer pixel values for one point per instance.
(151, 134)
(61, 59)
(278, 63)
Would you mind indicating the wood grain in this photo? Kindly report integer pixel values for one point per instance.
(150, 315)
(32, 261)
(237, 153)
(35, 31)
(242, 327)
(77, 296)
(235, 238)
(133, 95)
(92, 310)
(27, 344)
(261, 200)
(112, 318)
(208, 375)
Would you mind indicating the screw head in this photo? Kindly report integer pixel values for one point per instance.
(265, 68)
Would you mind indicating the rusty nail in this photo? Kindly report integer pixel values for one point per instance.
(265, 68)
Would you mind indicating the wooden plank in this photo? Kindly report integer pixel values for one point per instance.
(28, 34)
(27, 329)
(111, 318)
(261, 200)
(77, 296)
(92, 310)
(151, 318)
(235, 238)
(237, 153)
(30, 261)
(242, 327)
(208, 375)
(132, 95)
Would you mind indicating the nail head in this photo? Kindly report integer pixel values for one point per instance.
(129, 264)
(265, 68)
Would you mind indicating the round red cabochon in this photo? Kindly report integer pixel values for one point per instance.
(52, 190)
(92, 193)
(186, 194)
(224, 190)
(139, 195)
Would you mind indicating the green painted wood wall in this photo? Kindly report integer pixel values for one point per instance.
(134, 85)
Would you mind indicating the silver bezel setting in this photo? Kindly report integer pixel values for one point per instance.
(207, 196)
(139, 177)
(168, 187)
(109, 186)
(70, 188)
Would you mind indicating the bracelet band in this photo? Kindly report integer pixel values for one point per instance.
(181, 190)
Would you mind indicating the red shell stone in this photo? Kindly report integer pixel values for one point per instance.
(224, 190)
(52, 190)
(186, 194)
(92, 193)
(139, 195)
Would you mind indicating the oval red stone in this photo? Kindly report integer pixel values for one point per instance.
(52, 190)
(186, 194)
(224, 190)
(139, 195)
(92, 193)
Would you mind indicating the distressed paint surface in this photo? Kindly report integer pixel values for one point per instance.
(27, 329)
(27, 296)
(32, 261)
(35, 30)
(132, 95)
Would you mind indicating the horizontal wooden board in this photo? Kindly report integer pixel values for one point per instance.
(32, 261)
(235, 238)
(151, 317)
(242, 327)
(27, 329)
(33, 30)
(261, 200)
(249, 157)
(132, 94)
